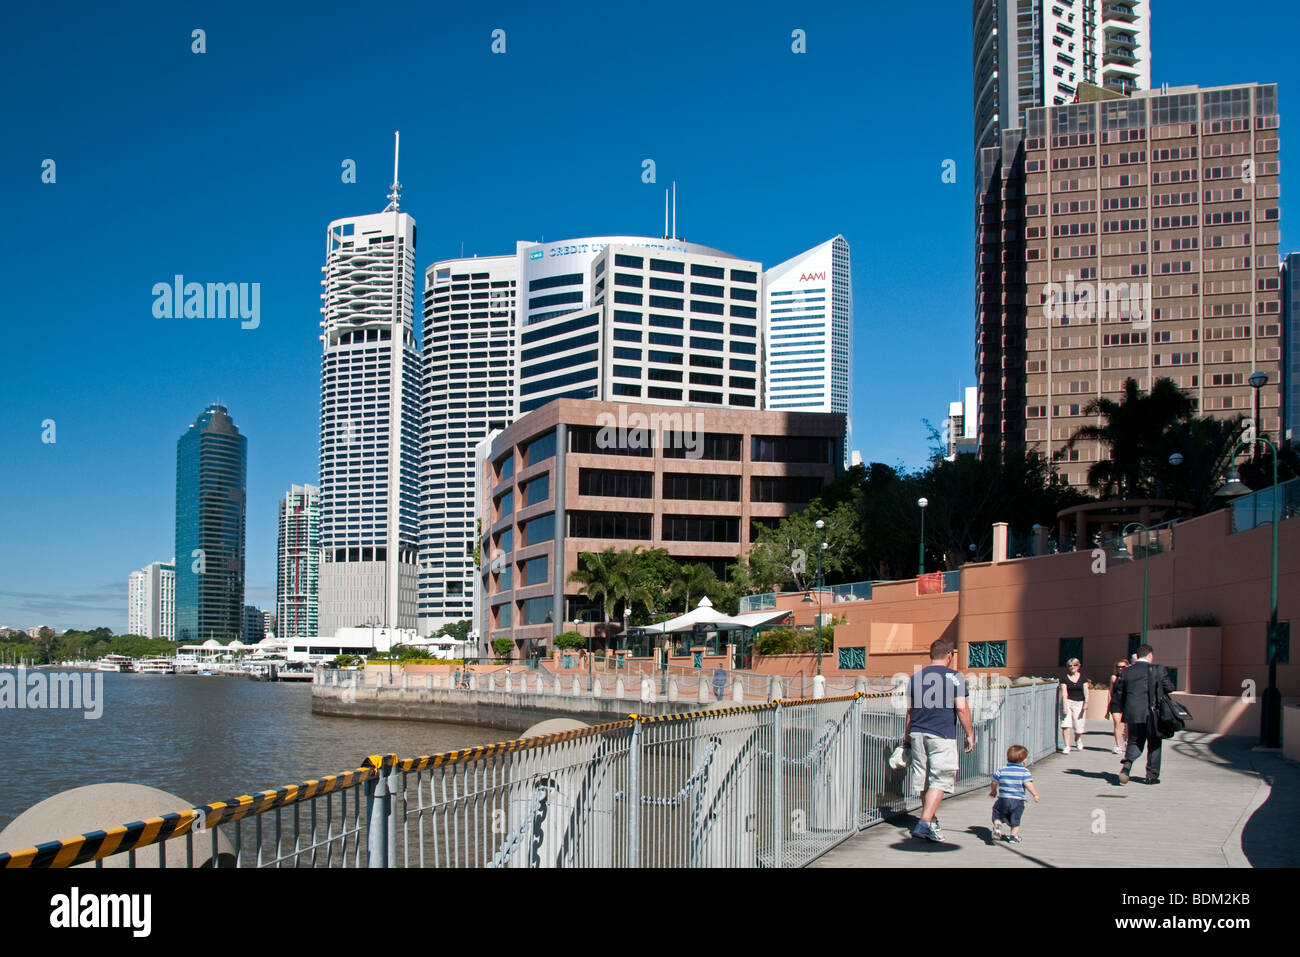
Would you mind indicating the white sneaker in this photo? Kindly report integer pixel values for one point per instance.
(927, 832)
(1066, 749)
(997, 830)
(1117, 750)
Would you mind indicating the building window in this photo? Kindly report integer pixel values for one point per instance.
(667, 265)
(788, 448)
(506, 467)
(631, 262)
(616, 483)
(709, 272)
(625, 525)
(538, 490)
(695, 487)
(986, 654)
(535, 571)
(786, 489)
(591, 440)
(712, 445)
(540, 529)
(540, 449)
(538, 611)
(700, 528)
(506, 505)
(504, 616)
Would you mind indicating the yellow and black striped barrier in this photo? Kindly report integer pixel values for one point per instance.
(96, 845)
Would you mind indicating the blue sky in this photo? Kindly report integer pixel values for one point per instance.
(225, 167)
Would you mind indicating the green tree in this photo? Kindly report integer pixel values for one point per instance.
(568, 640)
(787, 554)
(503, 646)
(1133, 431)
(610, 579)
(692, 583)
(454, 630)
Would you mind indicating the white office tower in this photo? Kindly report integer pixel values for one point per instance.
(809, 331)
(959, 429)
(1031, 53)
(468, 391)
(297, 568)
(623, 318)
(369, 431)
(151, 601)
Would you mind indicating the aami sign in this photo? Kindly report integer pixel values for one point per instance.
(811, 276)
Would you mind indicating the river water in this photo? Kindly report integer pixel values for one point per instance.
(202, 739)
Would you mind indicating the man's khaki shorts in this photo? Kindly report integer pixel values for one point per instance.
(934, 763)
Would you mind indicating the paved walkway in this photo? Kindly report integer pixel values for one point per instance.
(1218, 804)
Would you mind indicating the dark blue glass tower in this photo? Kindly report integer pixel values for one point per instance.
(211, 468)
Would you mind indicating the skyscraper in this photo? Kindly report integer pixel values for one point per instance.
(151, 601)
(809, 331)
(1129, 237)
(468, 390)
(1031, 53)
(297, 568)
(1291, 347)
(211, 469)
(658, 321)
(370, 429)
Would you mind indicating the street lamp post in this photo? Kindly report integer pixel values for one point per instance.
(1257, 382)
(920, 548)
(1270, 732)
(821, 544)
(1146, 570)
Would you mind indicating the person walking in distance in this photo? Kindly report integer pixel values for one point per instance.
(936, 703)
(1135, 692)
(1074, 704)
(1114, 710)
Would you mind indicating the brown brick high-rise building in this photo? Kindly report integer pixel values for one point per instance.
(1128, 237)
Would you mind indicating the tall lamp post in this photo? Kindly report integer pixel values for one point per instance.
(1257, 382)
(821, 544)
(920, 548)
(1270, 731)
(1146, 570)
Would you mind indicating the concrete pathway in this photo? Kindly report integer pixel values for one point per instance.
(1218, 804)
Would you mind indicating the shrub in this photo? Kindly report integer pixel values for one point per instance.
(567, 640)
(503, 646)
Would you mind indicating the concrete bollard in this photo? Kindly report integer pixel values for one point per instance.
(620, 690)
(773, 688)
(672, 689)
(819, 686)
(595, 689)
(403, 680)
(577, 686)
(473, 681)
(738, 691)
(704, 696)
(647, 690)
(860, 686)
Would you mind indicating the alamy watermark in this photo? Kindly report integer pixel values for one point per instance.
(215, 300)
(635, 430)
(40, 690)
(1107, 300)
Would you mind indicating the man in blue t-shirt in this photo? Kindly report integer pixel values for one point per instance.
(936, 703)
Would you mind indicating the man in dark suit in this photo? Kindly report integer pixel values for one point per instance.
(1135, 694)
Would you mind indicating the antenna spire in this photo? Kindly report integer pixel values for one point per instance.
(674, 209)
(665, 213)
(395, 191)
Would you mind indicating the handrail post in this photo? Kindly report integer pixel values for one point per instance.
(778, 786)
(855, 776)
(634, 796)
(380, 826)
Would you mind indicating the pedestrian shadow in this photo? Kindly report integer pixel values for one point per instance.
(1110, 777)
(906, 842)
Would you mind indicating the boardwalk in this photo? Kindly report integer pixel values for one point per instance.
(1218, 804)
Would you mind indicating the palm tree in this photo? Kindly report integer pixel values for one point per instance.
(695, 580)
(1206, 446)
(1133, 429)
(610, 578)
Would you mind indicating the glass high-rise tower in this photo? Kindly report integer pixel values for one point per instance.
(211, 470)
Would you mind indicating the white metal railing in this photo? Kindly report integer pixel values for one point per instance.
(765, 785)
